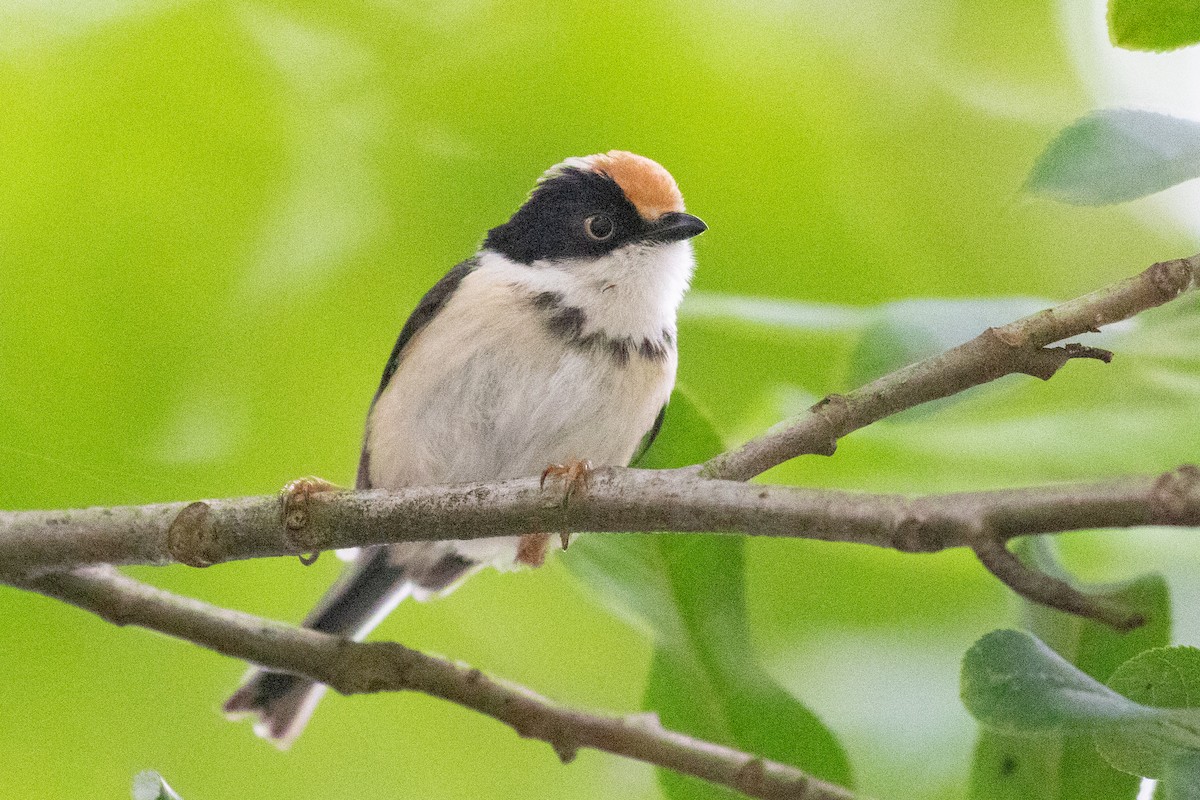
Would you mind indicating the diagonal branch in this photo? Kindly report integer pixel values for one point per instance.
(353, 668)
(1019, 347)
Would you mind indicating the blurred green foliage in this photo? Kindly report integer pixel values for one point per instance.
(216, 216)
(1065, 765)
(1144, 721)
(1116, 155)
(688, 591)
(1153, 24)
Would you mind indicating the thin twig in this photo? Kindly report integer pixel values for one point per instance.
(1053, 592)
(354, 668)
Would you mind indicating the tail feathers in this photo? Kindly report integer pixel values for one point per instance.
(359, 601)
(282, 702)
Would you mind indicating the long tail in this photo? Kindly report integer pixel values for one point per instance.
(368, 589)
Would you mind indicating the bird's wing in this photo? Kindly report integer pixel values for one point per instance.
(650, 436)
(433, 302)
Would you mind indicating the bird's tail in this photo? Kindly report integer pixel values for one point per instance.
(370, 588)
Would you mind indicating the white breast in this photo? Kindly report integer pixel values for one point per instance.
(486, 391)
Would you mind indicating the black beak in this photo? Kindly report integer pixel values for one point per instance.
(675, 226)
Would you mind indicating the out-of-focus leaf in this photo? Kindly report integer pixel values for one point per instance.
(149, 785)
(773, 346)
(774, 312)
(1067, 767)
(1182, 779)
(1013, 682)
(909, 330)
(1153, 24)
(1165, 678)
(1093, 420)
(689, 592)
(1116, 155)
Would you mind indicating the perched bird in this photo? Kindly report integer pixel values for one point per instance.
(554, 344)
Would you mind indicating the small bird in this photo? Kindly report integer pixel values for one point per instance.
(551, 350)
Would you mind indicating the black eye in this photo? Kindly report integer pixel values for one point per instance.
(599, 227)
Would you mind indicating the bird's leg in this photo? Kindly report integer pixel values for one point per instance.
(575, 474)
(293, 506)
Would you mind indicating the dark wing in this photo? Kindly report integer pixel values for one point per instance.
(433, 302)
(650, 436)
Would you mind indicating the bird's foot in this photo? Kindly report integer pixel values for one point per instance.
(293, 507)
(575, 474)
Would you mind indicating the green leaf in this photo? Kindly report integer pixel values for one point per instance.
(1182, 778)
(1067, 767)
(1013, 682)
(751, 337)
(1117, 155)
(1153, 24)
(1165, 678)
(149, 785)
(688, 593)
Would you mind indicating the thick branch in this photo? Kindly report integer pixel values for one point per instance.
(352, 668)
(617, 500)
(1019, 347)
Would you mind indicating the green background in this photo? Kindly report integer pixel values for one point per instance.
(215, 216)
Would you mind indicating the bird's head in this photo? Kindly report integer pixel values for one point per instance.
(590, 207)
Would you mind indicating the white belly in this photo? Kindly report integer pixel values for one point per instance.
(485, 392)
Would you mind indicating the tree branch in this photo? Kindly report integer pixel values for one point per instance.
(617, 500)
(35, 545)
(1019, 347)
(354, 668)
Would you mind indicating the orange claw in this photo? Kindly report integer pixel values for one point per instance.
(575, 473)
(293, 507)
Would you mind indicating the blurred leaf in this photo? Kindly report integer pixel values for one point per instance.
(149, 785)
(1153, 24)
(1117, 155)
(773, 346)
(689, 591)
(1014, 767)
(1166, 677)
(1182, 779)
(906, 331)
(1013, 682)
(1092, 421)
(774, 312)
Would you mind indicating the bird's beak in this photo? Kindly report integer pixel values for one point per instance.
(675, 226)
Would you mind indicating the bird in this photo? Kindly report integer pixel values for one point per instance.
(552, 350)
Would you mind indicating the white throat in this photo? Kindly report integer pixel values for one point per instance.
(632, 292)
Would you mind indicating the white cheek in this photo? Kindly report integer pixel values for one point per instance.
(632, 292)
